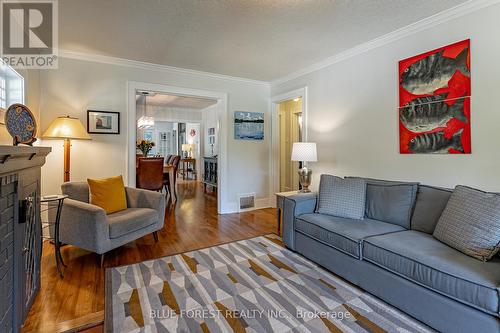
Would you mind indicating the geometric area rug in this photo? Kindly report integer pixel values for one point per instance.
(252, 285)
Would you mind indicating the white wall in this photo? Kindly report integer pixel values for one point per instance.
(352, 109)
(79, 85)
(209, 120)
(174, 114)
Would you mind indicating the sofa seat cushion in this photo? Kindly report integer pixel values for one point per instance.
(340, 233)
(130, 220)
(421, 258)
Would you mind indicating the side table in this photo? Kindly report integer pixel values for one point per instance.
(186, 163)
(50, 202)
(280, 197)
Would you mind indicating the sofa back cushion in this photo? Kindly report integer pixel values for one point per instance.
(429, 206)
(342, 197)
(470, 223)
(390, 201)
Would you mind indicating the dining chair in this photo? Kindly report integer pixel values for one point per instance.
(168, 160)
(150, 173)
(166, 180)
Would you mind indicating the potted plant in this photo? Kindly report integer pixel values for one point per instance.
(145, 146)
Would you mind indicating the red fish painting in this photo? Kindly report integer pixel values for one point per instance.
(434, 101)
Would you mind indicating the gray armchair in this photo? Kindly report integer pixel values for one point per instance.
(88, 227)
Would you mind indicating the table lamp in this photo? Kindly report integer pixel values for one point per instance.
(304, 152)
(66, 128)
(187, 147)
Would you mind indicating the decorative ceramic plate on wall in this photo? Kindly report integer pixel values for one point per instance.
(21, 124)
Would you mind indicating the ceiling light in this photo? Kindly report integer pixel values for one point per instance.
(145, 122)
(296, 99)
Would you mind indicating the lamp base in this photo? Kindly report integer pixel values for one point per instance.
(305, 179)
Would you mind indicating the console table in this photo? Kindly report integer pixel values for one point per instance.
(20, 232)
(210, 172)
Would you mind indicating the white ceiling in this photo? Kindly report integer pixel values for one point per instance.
(256, 39)
(173, 101)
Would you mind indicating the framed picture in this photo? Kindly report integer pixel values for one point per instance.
(434, 101)
(248, 125)
(103, 122)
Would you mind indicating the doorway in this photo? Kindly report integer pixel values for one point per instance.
(288, 125)
(190, 126)
(290, 131)
(174, 124)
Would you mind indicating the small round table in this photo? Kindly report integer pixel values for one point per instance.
(54, 202)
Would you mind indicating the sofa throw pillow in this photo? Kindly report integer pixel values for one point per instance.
(470, 223)
(109, 194)
(342, 197)
(392, 203)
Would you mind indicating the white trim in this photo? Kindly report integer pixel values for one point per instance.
(150, 66)
(424, 24)
(274, 155)
(223, 206)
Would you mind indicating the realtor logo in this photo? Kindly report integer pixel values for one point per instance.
(29, 33)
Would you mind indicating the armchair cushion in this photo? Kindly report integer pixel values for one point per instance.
(130, 220)
(108, 194)
(78, 191)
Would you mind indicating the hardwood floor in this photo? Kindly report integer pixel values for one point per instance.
(77, 301)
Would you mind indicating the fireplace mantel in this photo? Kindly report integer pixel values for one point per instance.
(15, 158)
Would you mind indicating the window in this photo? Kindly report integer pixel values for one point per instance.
(11, 87)
(3, 93)
(163, 143)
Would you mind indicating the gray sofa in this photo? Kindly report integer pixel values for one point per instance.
(403, 265)
(88, 227)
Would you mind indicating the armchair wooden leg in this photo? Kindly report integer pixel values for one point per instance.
(155, 235)
(102, 260)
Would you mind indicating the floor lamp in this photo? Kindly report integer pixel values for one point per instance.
(66, 128)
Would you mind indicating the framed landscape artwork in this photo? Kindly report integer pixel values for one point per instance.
(248, 125)
(103, 122)
(434, 101)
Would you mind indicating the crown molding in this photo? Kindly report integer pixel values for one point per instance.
(424, 24)
(68, 54)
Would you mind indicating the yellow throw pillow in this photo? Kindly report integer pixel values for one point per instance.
(109, 194)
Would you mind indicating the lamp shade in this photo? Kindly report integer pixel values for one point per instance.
(304, 152)
(187, 147)
(66, 127)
